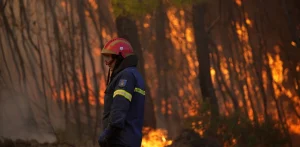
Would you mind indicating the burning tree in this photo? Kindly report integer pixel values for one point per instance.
(209, 65)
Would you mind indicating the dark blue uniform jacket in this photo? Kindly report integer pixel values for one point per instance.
(124, 105)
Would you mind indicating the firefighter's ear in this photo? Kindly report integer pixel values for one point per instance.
(119, 57)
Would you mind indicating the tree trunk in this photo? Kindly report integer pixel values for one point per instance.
(279, 111)
(201, 40)
(222, 81)
(74, 73)
(85, 41)
(127, 28)
(162, 64)
(14, 46)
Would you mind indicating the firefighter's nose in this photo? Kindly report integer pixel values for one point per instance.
(106, 62)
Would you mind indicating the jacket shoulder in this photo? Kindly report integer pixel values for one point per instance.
(126, 74)
(137, 75)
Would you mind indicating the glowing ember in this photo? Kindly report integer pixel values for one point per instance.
(146, 25)
(63, 3)
(189, 34)
(293, 43)
(93, 4)
(199, 130)
(155, 138)
(238, 2)
(97, 52)
(277, 68)
(213, 74)
(294, 125)
(248, 21)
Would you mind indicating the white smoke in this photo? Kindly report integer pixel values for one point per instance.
(16, 122)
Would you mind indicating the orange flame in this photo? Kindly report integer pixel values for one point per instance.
(155, 138)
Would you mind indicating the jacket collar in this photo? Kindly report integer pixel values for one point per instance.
(130, 61)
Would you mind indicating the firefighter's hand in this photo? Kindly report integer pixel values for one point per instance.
(103, 144)
(103, 138)
(102, 141)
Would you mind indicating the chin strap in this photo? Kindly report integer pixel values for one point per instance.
(109, 62)
(118, 59)
(108, 77)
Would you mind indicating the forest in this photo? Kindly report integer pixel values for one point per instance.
(227, 69)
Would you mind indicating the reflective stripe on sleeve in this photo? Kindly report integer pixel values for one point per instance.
(123, 93)
(139, 90)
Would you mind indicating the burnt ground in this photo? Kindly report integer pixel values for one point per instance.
(30, 143)
(189, 138)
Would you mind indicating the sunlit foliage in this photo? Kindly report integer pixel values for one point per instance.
(181, 3)
(133, 8)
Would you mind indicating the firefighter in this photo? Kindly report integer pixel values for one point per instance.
(124, 97)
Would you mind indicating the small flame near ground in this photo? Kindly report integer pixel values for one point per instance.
(155, 138)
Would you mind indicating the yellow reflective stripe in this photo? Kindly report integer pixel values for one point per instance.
(139, 90)
(123, 93)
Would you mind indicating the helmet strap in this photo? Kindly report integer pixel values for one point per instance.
(111, 61)
(119, 58)
(108, 77)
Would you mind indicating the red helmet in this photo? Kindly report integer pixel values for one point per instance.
(117, 46)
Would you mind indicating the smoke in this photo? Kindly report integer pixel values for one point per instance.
(17, 121)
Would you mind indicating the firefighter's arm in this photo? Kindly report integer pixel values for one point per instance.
(121, 100)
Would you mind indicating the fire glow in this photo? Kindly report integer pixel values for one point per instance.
(181, 36)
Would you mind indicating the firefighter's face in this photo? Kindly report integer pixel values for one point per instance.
(109, 60)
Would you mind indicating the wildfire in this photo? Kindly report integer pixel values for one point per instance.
(294, 125)
(277, 69)
(69, 94)
(155, 138)
(181, 36)
(93, 4)
(199, 130)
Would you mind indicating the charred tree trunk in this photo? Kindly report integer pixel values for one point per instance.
(201, 40)
(279, 111)
(127, 28)
(237, 51)
(258, 70)
(85, 41)
(16, 51)
(98, 27)
(74, 73)
(162, 64)
(5, 62)
(222, 81)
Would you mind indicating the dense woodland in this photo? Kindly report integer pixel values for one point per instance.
(229, 69)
